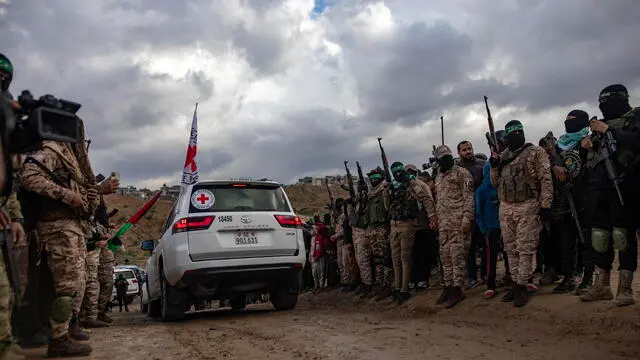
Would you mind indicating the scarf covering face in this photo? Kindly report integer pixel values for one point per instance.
(570, 140)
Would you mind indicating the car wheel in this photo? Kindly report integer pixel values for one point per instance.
(238, 302)
(283, 300)
(173, 302)
(143, 306)
(153, 307)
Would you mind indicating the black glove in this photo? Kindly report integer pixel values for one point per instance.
(495, 161)
(545, 214)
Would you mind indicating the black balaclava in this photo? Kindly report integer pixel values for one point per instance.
(614, 101)
(576, 121)
(375, 176)
(514, 135)
(444, 157)
(6, 73)
(399, 173)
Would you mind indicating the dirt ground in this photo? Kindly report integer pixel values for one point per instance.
(333, 325)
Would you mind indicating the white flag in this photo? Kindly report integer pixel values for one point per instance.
(190, 170)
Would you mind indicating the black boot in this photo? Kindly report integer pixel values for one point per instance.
(402, 297)
(567, 285)
(455, 297)
(521, 296)
(510, 295)
(586, 283)
(444, 296)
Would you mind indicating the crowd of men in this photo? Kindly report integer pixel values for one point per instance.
(563, 207)
(57, 227)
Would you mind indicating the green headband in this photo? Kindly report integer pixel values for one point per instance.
(375, 176)
(5, 65)
(397, 168)
(512, 128)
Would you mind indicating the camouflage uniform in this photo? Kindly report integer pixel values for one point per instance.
(361, 244)
(61, 232)
(524, 185)
(105, 277)
(346, 255)
(92, 290)
(376, 236)
(404, 208)
(454, 192)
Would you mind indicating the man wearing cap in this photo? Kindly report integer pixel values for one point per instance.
(613, 225)
(522, 178)
(404, 210)
(566, 198)
(454, 191)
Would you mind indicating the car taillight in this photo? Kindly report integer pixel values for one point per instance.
(289, 221)
(134, 281)
(193, 223)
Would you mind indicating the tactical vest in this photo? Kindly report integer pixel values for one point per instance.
(514, 184)
(404, 206)
(626, 160)
(377, 214)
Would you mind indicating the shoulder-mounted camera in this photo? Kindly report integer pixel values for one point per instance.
(27, 122)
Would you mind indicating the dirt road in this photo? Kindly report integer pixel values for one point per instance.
(335, 326)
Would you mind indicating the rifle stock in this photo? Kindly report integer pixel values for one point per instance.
(385, 162)
(352, 191)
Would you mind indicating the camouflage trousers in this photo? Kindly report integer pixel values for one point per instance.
(105, 278)
(349, 273)
(403, 236)
(521, 226)
(381, 248)
(362, 248)
(453, 256)
(319, 272)
(339, 250)
(64, 244)
(5, 310)
(92, 290)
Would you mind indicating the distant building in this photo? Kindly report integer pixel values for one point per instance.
(329, 179)
(170, 192)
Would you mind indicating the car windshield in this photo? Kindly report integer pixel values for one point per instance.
(238, 198)
(126, 274)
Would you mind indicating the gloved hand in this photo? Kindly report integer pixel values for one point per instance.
(545, 214)
(495, 161)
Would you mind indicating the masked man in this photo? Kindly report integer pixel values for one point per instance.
(522, 178)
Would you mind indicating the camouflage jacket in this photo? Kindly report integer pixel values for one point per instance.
(454, 190)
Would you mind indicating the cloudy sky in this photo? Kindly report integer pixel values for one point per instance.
(290, 88)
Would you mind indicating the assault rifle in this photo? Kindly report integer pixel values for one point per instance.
(352, 191)
(331, 202)
(608, 148)
(574, 214)
(8, 252)
(491, 135)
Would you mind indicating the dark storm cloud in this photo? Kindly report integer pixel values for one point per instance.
(560, 53)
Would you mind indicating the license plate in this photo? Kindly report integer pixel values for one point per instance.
(246, 238)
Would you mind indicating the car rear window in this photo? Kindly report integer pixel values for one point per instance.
(126, 274)
(238, 197)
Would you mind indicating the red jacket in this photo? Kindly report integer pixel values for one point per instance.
(321, 240)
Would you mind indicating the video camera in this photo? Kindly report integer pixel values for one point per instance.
(27, 122)
(431, 164)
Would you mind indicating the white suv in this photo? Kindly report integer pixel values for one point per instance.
(224, 240)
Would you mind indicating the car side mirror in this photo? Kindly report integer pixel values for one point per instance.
(147, 245)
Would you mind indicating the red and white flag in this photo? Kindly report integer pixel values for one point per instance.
(190, 170)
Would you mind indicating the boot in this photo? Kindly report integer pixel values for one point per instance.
(402, 297)
(384, 293)
(549, 277)
(36, 340)
(601, 289)
(510, 295)
(64, 347)
(95, 323)
(444, 296)
(76, 332)
(567, 285)
(455, 297)
(364, 291)
(104, 317)
(624, 296)
(585, 283)
(520, 296)
(394, 295)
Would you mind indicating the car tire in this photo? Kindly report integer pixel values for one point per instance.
(173, 302)
(143, 307)
(153, 307)
(238, 302)
(283, 300)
